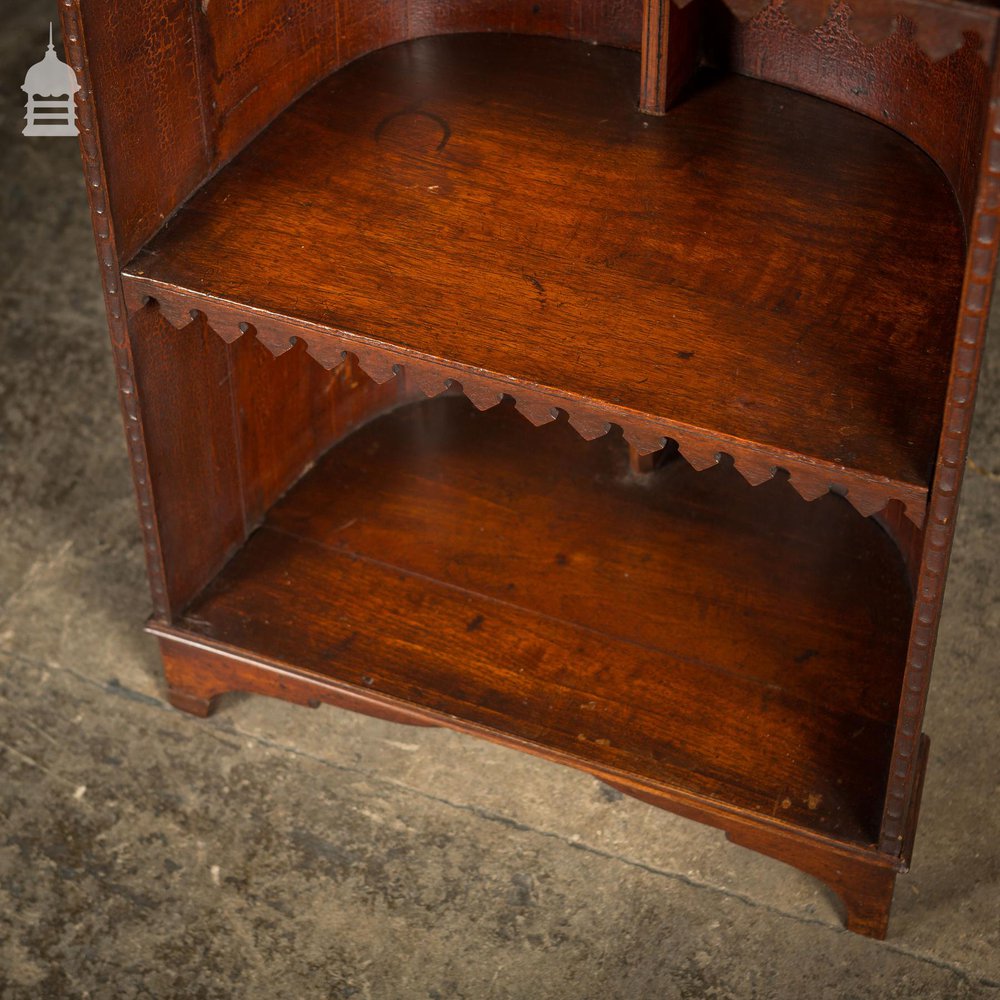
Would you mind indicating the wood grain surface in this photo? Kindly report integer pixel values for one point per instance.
(498, 204)
(526, 582)
(759, 282)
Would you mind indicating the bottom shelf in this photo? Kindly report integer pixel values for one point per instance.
(677, 630)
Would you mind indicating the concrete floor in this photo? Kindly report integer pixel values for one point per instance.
(276, 852)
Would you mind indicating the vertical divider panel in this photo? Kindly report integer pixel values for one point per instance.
(193, 455)
(671, 51)
(229, 428)
(289, 410)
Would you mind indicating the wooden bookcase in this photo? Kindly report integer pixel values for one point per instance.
(734, 263)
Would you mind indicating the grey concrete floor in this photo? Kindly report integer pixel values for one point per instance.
(276, 852)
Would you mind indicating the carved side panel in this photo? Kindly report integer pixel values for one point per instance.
(940, 529)
(145, 71)
(190, 532)
(91, 150)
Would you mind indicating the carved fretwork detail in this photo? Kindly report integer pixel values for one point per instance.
(646, 434)
(943, 506)
(90, 147)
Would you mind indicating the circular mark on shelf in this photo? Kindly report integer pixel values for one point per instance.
(413, 130)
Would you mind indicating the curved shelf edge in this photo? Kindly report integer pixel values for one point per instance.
(701, 448)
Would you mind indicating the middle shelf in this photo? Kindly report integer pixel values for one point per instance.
(681, 630)
(758, 272)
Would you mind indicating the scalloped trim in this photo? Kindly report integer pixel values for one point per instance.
(702, 449)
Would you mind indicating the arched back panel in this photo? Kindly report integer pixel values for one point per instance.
(941, 108)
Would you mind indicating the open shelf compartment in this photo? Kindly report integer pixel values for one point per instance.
(759, 273)
(675, 630)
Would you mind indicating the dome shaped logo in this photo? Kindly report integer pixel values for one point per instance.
(50, 86)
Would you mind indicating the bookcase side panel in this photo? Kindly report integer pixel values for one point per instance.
(143, 72)
(902, 794)
(108, 257)
(185, 400)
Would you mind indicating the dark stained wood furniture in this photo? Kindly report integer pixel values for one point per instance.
(732, 260)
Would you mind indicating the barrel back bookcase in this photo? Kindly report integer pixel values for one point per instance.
(590, 376)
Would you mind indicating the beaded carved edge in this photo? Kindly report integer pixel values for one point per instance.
(90, 147)
(702, 448)
(943, 506)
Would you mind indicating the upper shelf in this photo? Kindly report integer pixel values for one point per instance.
(758, 273)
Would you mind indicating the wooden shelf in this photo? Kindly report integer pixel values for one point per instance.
(522, 584)
(780, 276)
